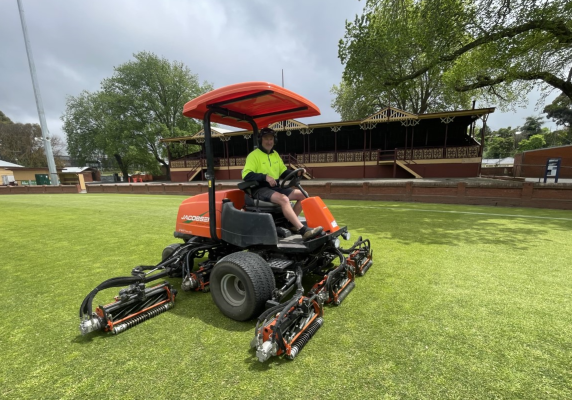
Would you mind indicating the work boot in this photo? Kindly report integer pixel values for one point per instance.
(309, 233)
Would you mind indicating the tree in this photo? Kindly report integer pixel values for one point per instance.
(501, 143)
(560, 111)
(532, 126)
(4, 119)
(23, 144)
(381, 44)
(95, 130)
(353, 104)
(492, 49)
(139, 105)
(533, 143)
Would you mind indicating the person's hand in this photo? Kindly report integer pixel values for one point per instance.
(302, 172)
(270, 180)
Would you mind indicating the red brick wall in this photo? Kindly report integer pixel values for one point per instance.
(501, 193)
(532, 164)
(458, 170)
(38, 189)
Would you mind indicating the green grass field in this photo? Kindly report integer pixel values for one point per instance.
(462, 302)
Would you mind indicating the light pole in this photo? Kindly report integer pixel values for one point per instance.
(45, 134)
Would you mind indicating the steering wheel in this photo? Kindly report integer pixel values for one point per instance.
(292, 179)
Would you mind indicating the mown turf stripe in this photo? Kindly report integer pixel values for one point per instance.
(455, 212)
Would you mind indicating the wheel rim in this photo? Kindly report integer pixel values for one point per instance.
(233, 290)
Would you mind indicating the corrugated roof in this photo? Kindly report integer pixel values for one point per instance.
(73, 170)
(474, 113)
(498, 161)
(6, 164)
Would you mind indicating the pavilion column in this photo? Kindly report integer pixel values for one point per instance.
(304, 132)
(405, 147)
(336, 129)
(336, 146)
(364, 149)
(446, 121)
(186, 153)
(406, 123)
(445, 145)
(412, 139)
(370, 135)
(309, 156)
(303, 147)
(365, 127)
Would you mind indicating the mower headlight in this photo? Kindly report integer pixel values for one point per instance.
(346, 235)
(337, 243)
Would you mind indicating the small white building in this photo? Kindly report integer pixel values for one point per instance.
(497, 162)
(7, 173)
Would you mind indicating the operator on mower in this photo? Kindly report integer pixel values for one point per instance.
(265, 166)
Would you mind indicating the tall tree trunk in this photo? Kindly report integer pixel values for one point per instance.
(122, 167)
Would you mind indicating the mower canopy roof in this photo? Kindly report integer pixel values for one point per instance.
(264, 102)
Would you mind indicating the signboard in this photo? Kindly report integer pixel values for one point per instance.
(552, 169)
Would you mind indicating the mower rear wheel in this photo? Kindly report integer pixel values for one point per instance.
(240, 284)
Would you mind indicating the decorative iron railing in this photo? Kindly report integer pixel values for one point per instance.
(424, 153)
(429, 153)
(232, 161)
(294, 163)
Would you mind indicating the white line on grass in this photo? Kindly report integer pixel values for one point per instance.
(103, 195)
(454, 212)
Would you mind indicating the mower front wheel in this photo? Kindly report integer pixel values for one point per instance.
(169, 250)
(240, 284)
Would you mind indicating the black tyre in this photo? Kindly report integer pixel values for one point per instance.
(170, 249)
(241, 283)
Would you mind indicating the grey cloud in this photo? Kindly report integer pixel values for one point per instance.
(76, 44)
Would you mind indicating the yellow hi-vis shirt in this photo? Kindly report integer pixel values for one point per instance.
(259, 162)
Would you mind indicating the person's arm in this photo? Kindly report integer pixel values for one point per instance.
(253, 176)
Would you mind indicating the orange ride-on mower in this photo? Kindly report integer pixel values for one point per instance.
(241, 249)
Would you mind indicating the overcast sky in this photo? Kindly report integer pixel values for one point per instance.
(76, 44)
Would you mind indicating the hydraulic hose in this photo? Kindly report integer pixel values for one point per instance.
(358, 243)
(191, 256)
(277, 337)
(284, 307)
(262, 318)
(86, 305)
(335, 271)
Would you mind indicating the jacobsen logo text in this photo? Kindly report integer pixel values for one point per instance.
(191, 218)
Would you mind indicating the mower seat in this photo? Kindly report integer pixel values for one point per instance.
(251, 203)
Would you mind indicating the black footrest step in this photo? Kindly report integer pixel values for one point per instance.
(279, 264)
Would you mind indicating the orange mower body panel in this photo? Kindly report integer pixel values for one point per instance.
(318, 214)
(193, 217)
